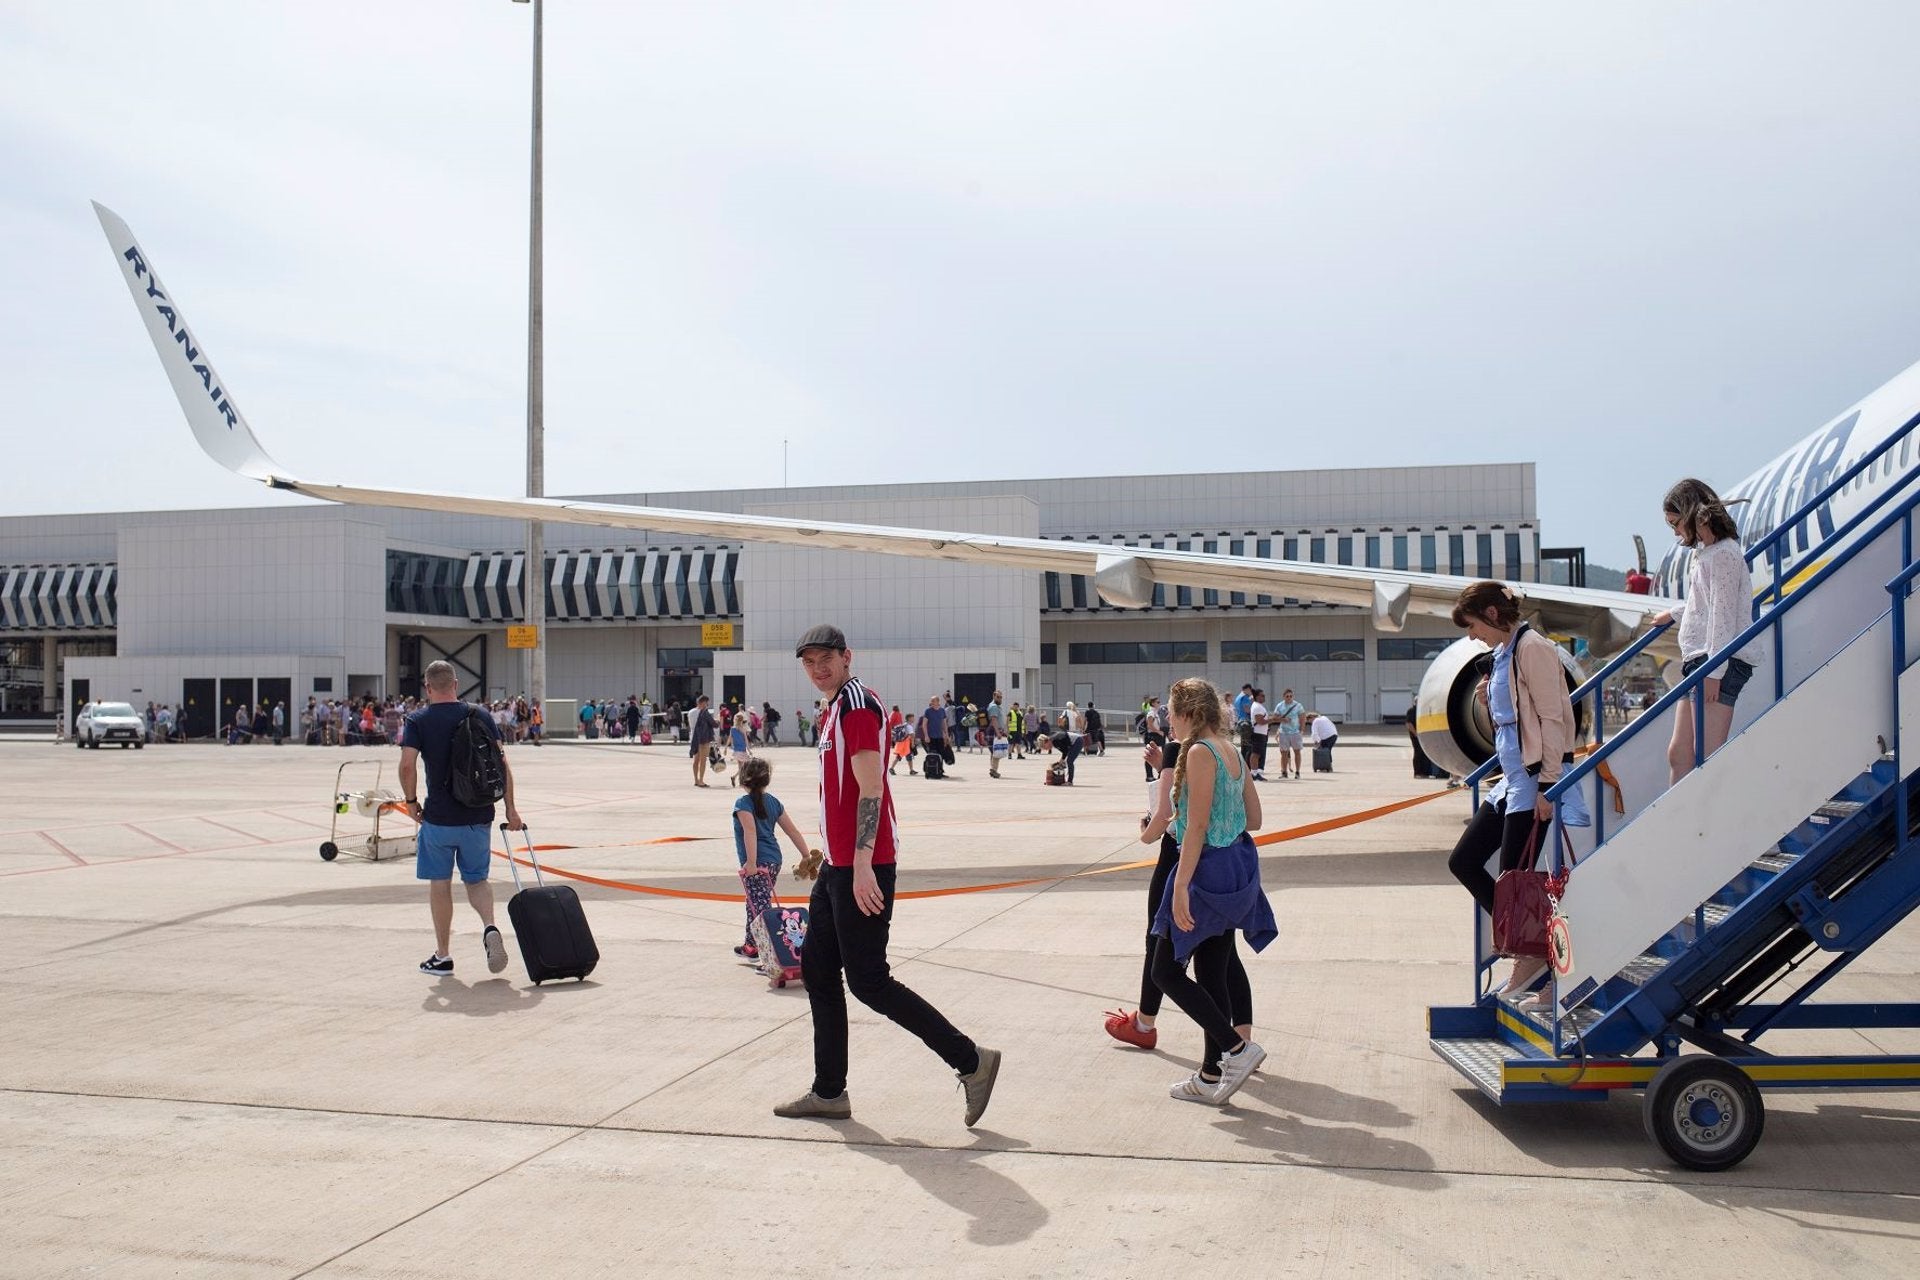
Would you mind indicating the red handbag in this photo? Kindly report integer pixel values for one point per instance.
(1523, 901)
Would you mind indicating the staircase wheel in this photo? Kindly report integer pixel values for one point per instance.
(1704, 1113)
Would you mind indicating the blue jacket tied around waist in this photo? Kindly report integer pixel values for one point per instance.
(1225, 895)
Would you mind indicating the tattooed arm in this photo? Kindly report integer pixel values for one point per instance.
(867, 824)
(867, 771)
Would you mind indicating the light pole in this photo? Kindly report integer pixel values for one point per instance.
(534, 578)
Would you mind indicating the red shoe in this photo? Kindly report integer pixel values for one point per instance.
(1122, 1027)
(748, 950)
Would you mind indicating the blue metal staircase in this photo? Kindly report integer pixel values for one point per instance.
(1709, 912)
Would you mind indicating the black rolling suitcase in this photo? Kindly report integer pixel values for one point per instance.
(1323, 759)
(554, 938)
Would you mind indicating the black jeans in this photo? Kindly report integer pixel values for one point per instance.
(1491, 828)
(841, 937)
(1070, 753)
(1239, 990)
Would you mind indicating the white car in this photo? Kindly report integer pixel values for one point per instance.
(109, 722)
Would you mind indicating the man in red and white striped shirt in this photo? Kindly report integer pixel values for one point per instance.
(851, 909)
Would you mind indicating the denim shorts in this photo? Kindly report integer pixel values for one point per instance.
(438, 848)
(1732, 680)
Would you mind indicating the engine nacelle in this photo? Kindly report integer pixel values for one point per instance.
(1455, 730)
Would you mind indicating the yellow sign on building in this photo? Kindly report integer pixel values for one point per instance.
(716, 635)
(523, 637)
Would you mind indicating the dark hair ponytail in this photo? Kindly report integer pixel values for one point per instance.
(755, 775)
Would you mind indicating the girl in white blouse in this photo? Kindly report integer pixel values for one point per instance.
(1718, 607)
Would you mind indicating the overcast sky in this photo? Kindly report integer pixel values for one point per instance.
(960, 241)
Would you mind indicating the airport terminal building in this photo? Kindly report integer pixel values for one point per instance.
(212, 609)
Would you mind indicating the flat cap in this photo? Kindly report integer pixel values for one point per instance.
(824, 636)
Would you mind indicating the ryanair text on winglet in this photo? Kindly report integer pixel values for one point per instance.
(178, 329)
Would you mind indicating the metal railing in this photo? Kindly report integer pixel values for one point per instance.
(1693, 686)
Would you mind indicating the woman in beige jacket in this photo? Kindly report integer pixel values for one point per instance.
(1526, 695)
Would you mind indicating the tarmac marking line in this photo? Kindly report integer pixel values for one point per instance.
(1625, 1176)
(596, 1126)
(77, 859)
(157, 838)
(237, 831)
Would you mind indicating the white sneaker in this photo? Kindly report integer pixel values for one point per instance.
(496, 949)
(1193, 1089)
(1235, 1068)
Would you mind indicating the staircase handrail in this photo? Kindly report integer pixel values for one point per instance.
(1774, 592)
(1688, 684)
(1778, 534)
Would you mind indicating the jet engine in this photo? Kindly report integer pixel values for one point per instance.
(1455, 730)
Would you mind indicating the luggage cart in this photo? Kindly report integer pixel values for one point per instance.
(374, 802)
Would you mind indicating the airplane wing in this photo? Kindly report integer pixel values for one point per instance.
(1123, 575)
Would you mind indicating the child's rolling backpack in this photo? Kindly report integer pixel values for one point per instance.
(1056, 774)
(933, 766)
(778, 934)
(646, 736)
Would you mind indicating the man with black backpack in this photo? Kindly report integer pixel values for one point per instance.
(466, 774)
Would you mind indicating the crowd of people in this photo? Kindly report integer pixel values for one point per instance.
(1204, 751)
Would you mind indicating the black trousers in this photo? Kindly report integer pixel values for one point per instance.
(1239, 990)
(1491, 829)
(1070, 753)
(840, 937)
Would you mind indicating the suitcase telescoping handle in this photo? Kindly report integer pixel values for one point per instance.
(532, 857)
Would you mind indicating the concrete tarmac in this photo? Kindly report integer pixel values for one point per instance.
(220, 1061)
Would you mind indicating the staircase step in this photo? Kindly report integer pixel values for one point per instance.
(1836, 811)
(1478, 1058)
(1712, 914)
(1644, 968)
(1774, 861)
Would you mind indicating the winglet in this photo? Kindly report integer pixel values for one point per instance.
(204, 397)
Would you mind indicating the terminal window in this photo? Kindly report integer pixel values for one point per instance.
(1118, 652)
(1341, 650)
(1410, 648)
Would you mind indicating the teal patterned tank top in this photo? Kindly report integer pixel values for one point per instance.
(1228, 817)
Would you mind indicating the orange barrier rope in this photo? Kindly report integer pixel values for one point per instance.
(1272, 837)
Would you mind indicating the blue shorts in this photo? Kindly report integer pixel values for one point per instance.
(438, 848)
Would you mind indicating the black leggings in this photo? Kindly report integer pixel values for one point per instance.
(1239, 990)
(1490, 829)
(1202, 997)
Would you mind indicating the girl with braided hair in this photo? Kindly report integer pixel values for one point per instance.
(1214, 889)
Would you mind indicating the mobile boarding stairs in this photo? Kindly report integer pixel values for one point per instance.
(1709, 914)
